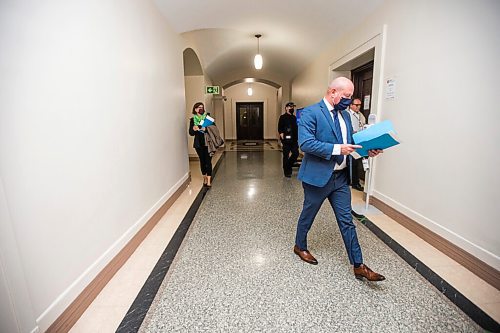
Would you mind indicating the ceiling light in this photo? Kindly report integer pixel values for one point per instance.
(257, 61)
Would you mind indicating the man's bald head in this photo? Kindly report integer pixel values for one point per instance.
(341, 83)
(338, 88)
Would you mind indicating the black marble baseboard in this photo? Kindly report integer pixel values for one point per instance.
(469, 308)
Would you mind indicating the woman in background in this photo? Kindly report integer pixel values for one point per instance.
(196, 130)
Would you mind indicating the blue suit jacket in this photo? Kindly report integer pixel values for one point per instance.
(317, 136)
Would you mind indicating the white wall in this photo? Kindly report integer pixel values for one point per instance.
(444, 57)
(280, 107)
(261, 93)
(218, 112)
(92, 135)
(16, 310)
(8, 317)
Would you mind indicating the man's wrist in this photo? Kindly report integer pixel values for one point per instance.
(336, 149)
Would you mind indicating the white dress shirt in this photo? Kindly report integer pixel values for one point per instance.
(343, 128)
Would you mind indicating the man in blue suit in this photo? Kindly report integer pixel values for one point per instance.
(325, 137)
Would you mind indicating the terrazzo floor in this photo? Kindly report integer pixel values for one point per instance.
(236, 271)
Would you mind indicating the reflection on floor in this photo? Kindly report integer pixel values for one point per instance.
(236, 270)
(251, 145)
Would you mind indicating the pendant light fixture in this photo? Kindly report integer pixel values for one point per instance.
(257, 61)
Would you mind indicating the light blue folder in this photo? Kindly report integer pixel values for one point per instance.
(208, 121)
(377, 136)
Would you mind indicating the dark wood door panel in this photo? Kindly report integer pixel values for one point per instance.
(250, 121)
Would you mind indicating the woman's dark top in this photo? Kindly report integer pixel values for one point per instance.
(199, 136)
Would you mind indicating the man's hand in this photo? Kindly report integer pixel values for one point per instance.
(281, 136)
(375, 152)
(196, 128)
(347, 149)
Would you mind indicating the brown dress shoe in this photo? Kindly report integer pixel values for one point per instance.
(364, 271)
(305, 255)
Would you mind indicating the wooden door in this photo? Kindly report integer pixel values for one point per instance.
(250, 121)
(362, 77)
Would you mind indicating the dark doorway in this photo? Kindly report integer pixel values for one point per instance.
(362, 77)
(250, 121)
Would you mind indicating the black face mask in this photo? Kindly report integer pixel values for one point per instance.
(342, 104)
(292, 110)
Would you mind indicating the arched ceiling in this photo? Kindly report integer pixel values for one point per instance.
(293, 32)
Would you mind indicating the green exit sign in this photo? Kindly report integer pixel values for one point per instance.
(212, 90)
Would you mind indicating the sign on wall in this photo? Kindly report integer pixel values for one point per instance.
(390, 88)
(366, 102)
(212, 90)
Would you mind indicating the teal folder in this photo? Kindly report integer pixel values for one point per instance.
(208, 121)
(377, 136)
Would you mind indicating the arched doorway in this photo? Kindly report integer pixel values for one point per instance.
(252, 116)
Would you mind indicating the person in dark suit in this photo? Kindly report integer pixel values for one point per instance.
(325, 137)
(196, 130)
(287, 129)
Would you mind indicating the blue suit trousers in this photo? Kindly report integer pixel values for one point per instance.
(339, 195)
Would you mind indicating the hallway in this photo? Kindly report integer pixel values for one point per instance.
(99, 176)
(235, 270)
